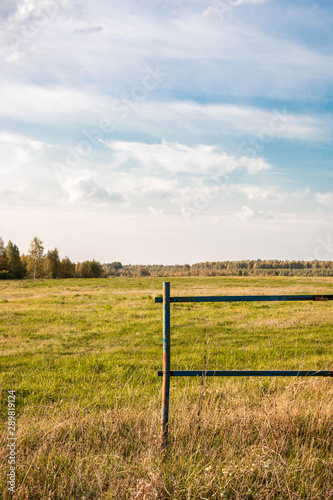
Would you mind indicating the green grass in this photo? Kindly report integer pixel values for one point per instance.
(83, 356)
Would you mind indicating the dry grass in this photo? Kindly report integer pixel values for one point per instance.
(90, 423)
(245, 440)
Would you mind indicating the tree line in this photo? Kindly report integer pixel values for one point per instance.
(226, 268)
(38, 264)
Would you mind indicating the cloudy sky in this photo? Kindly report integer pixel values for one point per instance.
(164, 131)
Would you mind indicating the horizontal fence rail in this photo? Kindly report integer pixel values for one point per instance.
(166, 373)
(248, 373)
(247, 298)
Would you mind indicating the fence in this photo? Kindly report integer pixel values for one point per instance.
(166, 373)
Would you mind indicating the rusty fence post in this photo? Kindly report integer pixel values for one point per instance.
(166, 364)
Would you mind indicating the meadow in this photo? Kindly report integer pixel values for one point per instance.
(83, 354)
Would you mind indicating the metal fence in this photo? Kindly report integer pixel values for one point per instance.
(166, 373)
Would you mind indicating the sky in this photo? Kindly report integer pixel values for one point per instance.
(164, 132)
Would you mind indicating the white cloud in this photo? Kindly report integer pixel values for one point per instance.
(248, 213)
(155, 212)
(17, 150)
(254, 192)
(236, 59)
(239, 2)
(62, 106)
(88, 30)
(325, 199)
(26, 17)
(135, 175)
(180, 158)
(188, 119)
(222, 7)
(37, 104)
(140, 189)
(16, 191)
(84, 190)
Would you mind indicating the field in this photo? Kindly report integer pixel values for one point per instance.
(83, 356)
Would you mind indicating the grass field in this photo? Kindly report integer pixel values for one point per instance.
(83, 356)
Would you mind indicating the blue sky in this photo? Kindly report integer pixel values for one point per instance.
(167, 131)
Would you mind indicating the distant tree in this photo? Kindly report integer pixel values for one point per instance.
(82, 269)
(90, 269)
(113, 268)
(67, 268)
(96, 269)
(15, 266)
(36, 258)
(24, 261)
(3, 257)
(52, 264)
(116, 265)
(143, 272)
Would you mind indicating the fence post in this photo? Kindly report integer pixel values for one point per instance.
(166, 364)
